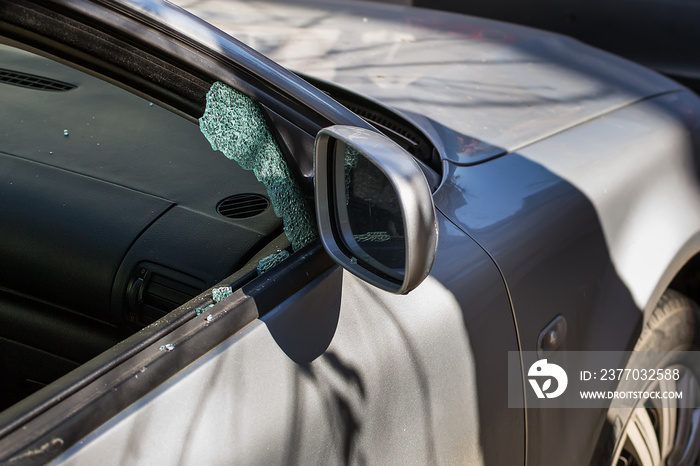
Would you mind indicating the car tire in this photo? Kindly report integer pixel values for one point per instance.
(656, 432)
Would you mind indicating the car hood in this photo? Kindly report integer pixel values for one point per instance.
(478, 88)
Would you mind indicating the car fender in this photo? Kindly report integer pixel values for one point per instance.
(639, 167)
(591, 224)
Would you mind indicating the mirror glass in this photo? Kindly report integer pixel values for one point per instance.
(368, 214)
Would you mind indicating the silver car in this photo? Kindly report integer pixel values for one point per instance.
(209, 259)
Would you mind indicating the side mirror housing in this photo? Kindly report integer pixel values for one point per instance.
(374, 208)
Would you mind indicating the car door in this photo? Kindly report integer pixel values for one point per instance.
(338, 372)
(302, 363)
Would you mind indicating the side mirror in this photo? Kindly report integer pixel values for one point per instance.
(374, 208)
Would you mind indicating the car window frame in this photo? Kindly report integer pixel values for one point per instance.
(66, 410)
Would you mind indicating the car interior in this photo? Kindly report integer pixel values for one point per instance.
(115, 211)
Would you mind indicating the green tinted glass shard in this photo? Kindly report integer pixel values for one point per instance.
(270, 261)
(234, 124)
(219, 294)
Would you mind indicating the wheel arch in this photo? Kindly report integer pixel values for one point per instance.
(682, 274)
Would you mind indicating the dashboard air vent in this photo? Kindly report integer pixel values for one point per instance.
(31, 81)
(155, 290)
(243, 206)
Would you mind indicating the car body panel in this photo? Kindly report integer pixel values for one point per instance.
(532, 238)
(591, 224)
(342, 372)
(391, 53)
(655, 33)
(574, 216)
(487, 87)
(636, 167)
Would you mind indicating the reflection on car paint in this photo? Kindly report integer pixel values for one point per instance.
(372, 237)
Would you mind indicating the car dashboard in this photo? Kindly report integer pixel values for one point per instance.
(114, 212)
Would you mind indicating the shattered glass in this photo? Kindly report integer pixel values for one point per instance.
(219, 294)
(235, 125)
(201, 310)
(270, 261)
